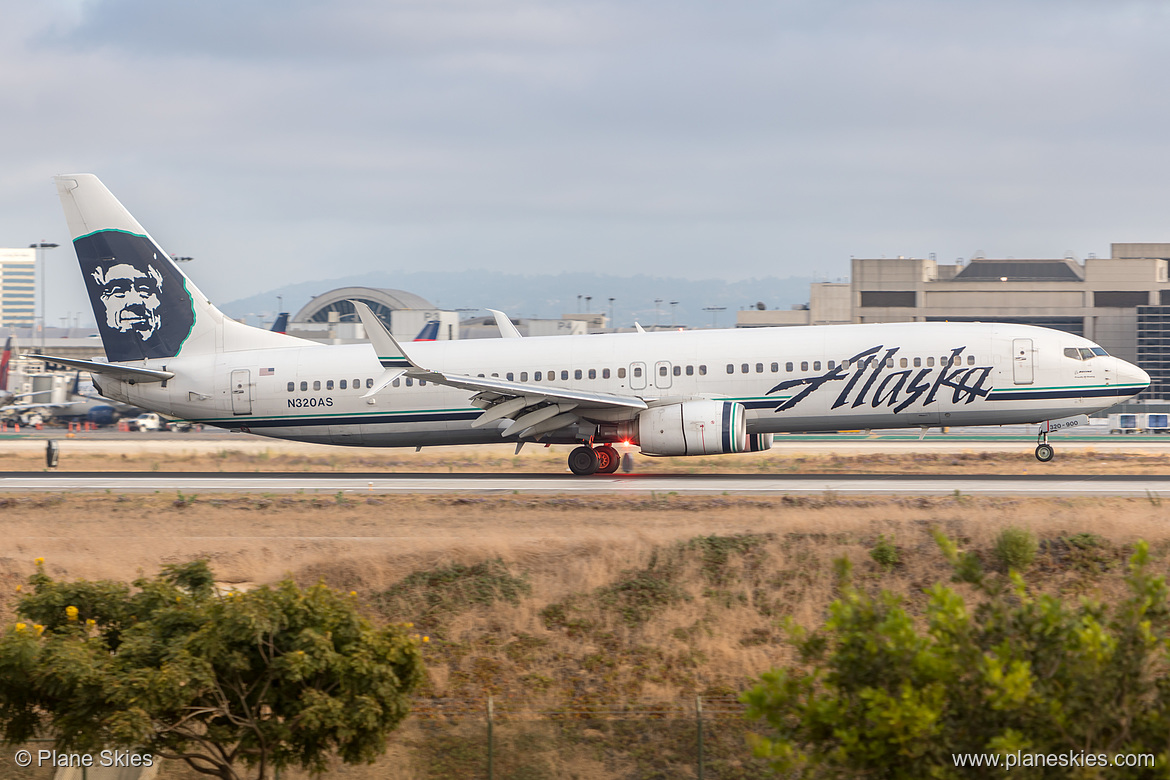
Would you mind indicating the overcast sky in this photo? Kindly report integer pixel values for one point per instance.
(285, 141)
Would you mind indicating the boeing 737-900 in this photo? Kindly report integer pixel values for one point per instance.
(702, 392)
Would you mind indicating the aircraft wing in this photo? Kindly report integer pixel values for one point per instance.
(533, 409)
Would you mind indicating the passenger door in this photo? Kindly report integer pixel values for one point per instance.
(1022, 368)
(662, 375)
(241, 391)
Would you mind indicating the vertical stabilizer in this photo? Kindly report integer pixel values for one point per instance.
(145, 306)
(4, 359)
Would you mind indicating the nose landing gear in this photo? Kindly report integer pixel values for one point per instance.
(1044, 451)
(584, 461)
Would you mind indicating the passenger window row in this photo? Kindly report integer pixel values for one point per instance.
(342, 384)
(815, 365)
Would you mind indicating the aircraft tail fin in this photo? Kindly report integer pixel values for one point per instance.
(430, 332)
(4, 359)
(145, 306)
(281, 324)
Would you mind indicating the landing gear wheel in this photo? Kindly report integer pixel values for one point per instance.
(583, 461)
(1045, 453)
(608, 459)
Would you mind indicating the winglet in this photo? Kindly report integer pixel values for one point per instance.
(390, 352)
(504, 323)
(639, 327)
(392, 357)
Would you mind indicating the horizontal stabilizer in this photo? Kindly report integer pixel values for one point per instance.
(114, 370)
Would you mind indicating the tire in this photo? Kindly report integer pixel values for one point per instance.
(583, 461)
(1045, 453)
(608, 459)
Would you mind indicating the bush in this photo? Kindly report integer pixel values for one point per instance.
(884, 553)
(1015, 548)
(878, 696)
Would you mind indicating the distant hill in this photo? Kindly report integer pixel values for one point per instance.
(550, 295)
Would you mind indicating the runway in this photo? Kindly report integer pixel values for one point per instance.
(1151, 486)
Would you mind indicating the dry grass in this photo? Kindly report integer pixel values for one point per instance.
(252, 455)
(568, 599)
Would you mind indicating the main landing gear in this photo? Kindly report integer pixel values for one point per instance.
(1044, 451)
(584, 461)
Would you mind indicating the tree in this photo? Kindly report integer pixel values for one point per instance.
(877, 696)
(273, 677)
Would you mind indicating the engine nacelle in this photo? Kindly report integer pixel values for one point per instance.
(758, 442)
(694, 428)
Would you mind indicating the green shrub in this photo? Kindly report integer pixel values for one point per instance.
(1015, 548)
(885, 553)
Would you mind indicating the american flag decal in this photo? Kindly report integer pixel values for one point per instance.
(267, 371)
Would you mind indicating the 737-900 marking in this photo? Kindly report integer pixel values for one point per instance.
(896, 389)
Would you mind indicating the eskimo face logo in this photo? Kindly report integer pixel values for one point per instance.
(131, 298)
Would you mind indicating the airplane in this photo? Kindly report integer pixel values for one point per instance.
(429, 332)
(669, 393)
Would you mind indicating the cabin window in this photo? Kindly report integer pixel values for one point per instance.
(577, 374)
(816, 365)
(662, 371)
(690, 370)
(605, 373)
(497, 376)
(328, 384)
(292, 386)
(343, 384)
(743, 368)
(552, 375)
(409, 382)
(702, 370)
(369, 383)
(592, 373)
(730, 368)
(845, 365)
(759, 368)
(930, 362)
(396, 382)
(804, 365)
(481, 376)
(832, 363)
(304, 386)
(775, 367)
(789, 367)
(316, 384)
(621, 373)
(637, 371)
(970, 360)
(678, 370)
(357, 383)
(903, 363)
(565, 376)
(537, 376)
(422, 383)
(917, 362)
(523, 376)
(510, 376)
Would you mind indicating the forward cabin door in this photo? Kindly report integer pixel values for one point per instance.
(1022, 368)
(241, 391)
(662, 374)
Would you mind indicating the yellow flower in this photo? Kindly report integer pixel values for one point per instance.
(71, 613)
(19, 588)
(40, 629)
(21, 626)
(91, 622)
(426, 639)
(353, 593)
(39, 561)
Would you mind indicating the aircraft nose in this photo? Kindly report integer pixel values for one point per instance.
(1129, 374)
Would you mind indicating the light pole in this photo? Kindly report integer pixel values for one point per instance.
(714, 313)
(673, 309)
(40, 264)
(657, 311)
(611, 325)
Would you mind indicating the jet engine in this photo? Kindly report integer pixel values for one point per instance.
(693, 428)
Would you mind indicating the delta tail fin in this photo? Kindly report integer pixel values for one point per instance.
(145, 306)
(430, 332)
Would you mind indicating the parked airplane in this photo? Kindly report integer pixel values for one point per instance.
(669, 393)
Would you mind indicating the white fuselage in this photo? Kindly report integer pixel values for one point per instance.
(788, 379)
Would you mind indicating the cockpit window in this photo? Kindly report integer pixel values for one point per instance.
(1072, 352)
(1086, 353)
(1100, 352)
